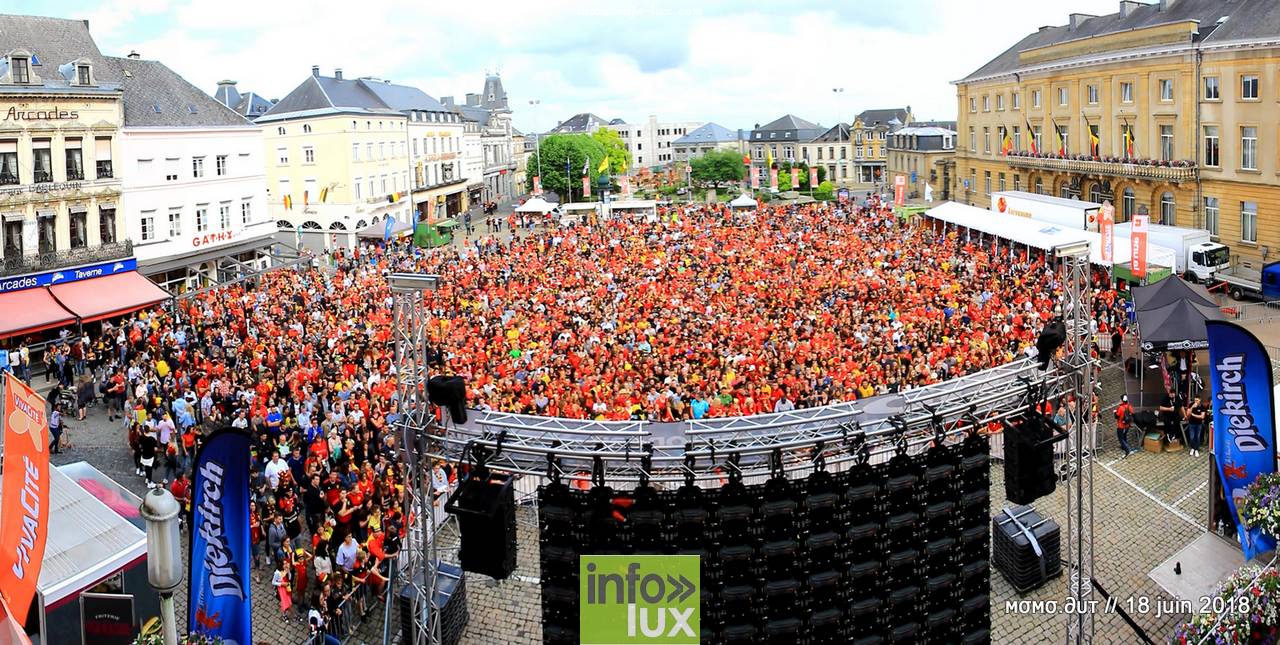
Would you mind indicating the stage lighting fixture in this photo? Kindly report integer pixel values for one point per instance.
(1050, 340)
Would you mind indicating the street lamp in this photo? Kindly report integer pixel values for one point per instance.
(164, 556)
(537, 137)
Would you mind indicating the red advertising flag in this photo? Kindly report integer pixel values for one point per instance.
(537, 185)
(773, 178)
(1138, 261)
(900, 190)
(813, 176)
(746, 160)
(755, 177)
(586, 187)
(626, 185)
(795, 177)
(24, 495)
(1107, 226)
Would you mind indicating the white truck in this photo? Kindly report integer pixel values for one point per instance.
(1069, 213)
(1198, 258)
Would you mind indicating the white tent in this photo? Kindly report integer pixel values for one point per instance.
(646, 208)
(1041, 235)
(743, 201)
(536, 205)
(576, 211)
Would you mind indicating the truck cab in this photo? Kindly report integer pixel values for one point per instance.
(1206, 259)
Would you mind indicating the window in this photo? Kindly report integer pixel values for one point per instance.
(986, 103)
(368, 151)
(1035, 136)
(1166, 143)
(973, 140)
(13, 238)
(1128, 205)
(308, 154)
(986, 181)
(1017, 137)
(844, 152)
(973, 180)
(819, 153)
(43, 161)
(1168, 210)
(1211, 146)
(1249, 87)
(282, 156)
(197, 167)
(148, 226)
(284, 190)
(306, 129)
(1017, 182)
(1126, 92)
(280, 131)
(1166, 89)
(202, 218)
(1091, 94)
(1016, 99)
(82, 74)
(382, 150)
(1002, 184)
(1035, 98)
(355, 187)
(1062, 96)
(1095, 193)
(175, 222)
(355, 152)
(21, 69)
(1249, 222)
(246, 210)
(999, 102)
(79, 229)
(224, 215)
(102, 146)
(1248, 148)
(8, 163)
(1039, 186)
(1211, 92)
(1211, 215)
(171, 169)
(986, 140)
(75, 160)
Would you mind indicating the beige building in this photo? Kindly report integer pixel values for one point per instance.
(61, 111)
(868, 132)
(924, 155)
(1171, 108)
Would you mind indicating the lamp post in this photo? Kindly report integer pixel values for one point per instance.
(164, 557)
(537, 137)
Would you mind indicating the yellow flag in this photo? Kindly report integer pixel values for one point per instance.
(604, 165)
(768, 159)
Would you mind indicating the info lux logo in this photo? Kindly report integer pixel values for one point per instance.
(639, 599)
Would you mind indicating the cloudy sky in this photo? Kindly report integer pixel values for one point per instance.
(735, 62)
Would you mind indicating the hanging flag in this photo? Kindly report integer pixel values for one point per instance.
(626, 185)
(773, 177)
(324, 194)
(768, 159)
(1138, 236)
(813, 176)
(386, 232)
(586, 166)
(1244, 421)
(288, 203)
(24, 495)
(1032, 137)
(537, 185)
(219, 578)
(604, 165)
(1128, 141)
(1094, 141)
(1006, 142)
(306, 198)
(928, 193)
(586, 187)
(1107, 227)
(795, 177)
(755, 177)
(1062, 142)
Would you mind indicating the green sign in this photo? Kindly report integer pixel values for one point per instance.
(649, 599)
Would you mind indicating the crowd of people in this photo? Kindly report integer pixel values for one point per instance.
(690, 314)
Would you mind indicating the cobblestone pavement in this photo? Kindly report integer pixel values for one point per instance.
(1147, 507)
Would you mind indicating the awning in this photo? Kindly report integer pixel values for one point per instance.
(29, 311)
(378, 230)
(108, 296)
(169, 263)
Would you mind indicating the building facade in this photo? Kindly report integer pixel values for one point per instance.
(782, 139)
(869, 131)
(925, 156)
(61, 111)
(833, 152)
(1168, 108)
(650, 143)
(194, 182)
(704, 139)
(491, 112)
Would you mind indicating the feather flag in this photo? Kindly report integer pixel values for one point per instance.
(604, 165)
(768, 159)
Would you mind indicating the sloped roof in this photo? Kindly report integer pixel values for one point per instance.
(54, 42)
(580, 122)
(789, 122)
(838, 133)
(1247, 19)
(883, 116)
(709, 133)
(156, 96)
(925, 131)
(402, 97)
(473, 113)
(320, 94)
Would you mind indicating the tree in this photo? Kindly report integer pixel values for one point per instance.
(560, 152)
(825, 190)
(619, 156)
(716, 167)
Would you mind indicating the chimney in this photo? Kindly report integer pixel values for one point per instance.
(226, 83)
(1127, 7)
(1166, 5)
(315, 71)
(473, 99)
(337, 73)
(133, 54)
(1076, 19)
(446, 101)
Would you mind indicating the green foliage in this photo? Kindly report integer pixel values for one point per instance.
(825, 190)
(555, 149)
(619, 156)
(717, 167)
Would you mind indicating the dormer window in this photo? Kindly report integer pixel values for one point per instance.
(280, 131)
(21, 69)
(82, 75)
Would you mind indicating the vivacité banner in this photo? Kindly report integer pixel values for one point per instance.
(24, 513)
(1244, 427)
(219, 577)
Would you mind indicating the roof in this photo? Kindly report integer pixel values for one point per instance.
(883, 116)
(494, 96)
(325, 94)
(580, 122)
(1247, 19)
(473, 113)
(249, 104)
(925, 131)
(789, 122)
(708, 133)
(54, 43)
(839, 132)
(156, 96)
(402, 97)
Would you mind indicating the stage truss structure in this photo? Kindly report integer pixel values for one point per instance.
(833, 437)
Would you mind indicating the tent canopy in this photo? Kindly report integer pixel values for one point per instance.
(743, 201)
(536, 205)
(581, 206)
(1177, 325)
(633, 204)
(1168, 291)
(379, 229)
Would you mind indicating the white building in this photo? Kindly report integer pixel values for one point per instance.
(193, 181)
(492, 114)
(651, 142)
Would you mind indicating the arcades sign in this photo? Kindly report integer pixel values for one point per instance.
(14, 114)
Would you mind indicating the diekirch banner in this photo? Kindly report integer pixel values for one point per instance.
(1244, 426)
(219, 576)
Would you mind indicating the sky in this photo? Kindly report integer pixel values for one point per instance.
(734, 62)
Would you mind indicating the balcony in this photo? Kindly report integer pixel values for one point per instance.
(53, 260)
(1176, 172)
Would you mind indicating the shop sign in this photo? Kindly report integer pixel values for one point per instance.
(14, 114)
(72, 274)
(107, 618)
(51, 187)
(213, 238)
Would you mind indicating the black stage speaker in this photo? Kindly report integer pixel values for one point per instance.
(486, 510)
(449, 392)
(1028, 454)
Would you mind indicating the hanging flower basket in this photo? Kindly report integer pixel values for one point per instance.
(1261, 507)
(1243, 611)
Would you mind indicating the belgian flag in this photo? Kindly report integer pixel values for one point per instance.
(324, 194)
(1006, 141)
(1062, 143)
(1031, 137)
(1128, 141)
(1094, 142)
(288, 203)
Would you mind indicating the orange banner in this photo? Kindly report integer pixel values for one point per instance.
(773, 177)
(900, 190)
(24, 496)
(1107, 226)
(795, 177)
(1138, 261)
(586, 187)
(537, 185)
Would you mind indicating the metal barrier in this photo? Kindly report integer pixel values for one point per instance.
(354, 609)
